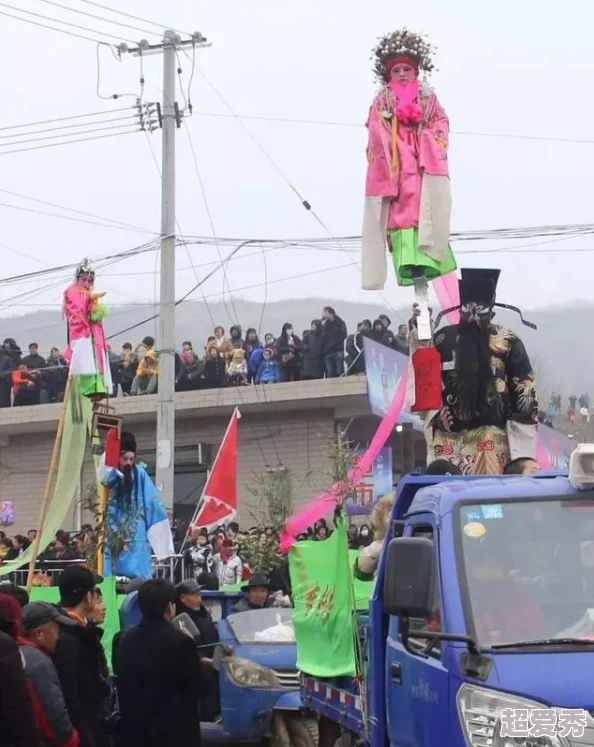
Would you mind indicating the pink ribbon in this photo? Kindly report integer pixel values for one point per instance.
(448, 294)
(541, 455)
(326, 501)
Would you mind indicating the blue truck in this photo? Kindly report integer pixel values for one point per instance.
(480, 630)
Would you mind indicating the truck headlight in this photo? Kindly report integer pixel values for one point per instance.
(246, 673)
(480, 710)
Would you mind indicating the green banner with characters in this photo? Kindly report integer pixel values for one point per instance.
(324, 599)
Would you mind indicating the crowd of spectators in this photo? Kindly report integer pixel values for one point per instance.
(325, 350)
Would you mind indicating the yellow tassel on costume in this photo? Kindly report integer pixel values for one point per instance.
(395, 161)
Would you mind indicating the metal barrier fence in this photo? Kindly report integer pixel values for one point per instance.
(47, 572)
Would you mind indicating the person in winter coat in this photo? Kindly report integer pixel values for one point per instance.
(257, 594)
(334, 334)
(148, 343)
(222, 344)
(214, 368)
(17, 718)
(251, 344)
(160, 676)
(312, 364)
(254, 360)
(78, 656)
(237, 368)
(41, 626)
(378, 332)
(199, 555)
(191, 374)
(401, 341)
(55, 375)
(268, 370)
(237, 341)
(228, 565)
(354, 347)
(289, 347)
(127, 365)
(10, 359)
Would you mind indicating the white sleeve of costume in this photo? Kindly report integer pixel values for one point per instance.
(157, 522)
(521, 439)
(107, 475)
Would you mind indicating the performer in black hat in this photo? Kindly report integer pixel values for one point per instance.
(489, 407)
(135, 509)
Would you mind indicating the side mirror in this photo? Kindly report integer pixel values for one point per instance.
(409, 583)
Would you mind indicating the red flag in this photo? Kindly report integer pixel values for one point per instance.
(218, 502)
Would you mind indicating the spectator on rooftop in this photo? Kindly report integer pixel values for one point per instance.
(10, 358)
(354, 348)
(222, 343)
(26, 386)
(237, 368)
(127, 365)
(143, 347)
(268, 371)
(214, 368)
(146, 380)
(334, 334)
(390, 337)
(191, 375)
(252, 344)
(34, 361)
(289, 350)
(313, 365)
(55, 375)
(378, 332)
(186, 348)
(236, 340)
(401, 343)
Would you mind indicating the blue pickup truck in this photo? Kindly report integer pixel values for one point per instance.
(480, 631)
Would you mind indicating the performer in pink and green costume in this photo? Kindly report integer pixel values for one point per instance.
(408, 201)
(86, 352)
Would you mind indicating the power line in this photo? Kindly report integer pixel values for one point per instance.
(45, 26)
(77, 212)
(129, 15)
(66, 127)
(65, 119)
(68, 142)
(64, 23)
(98, 18)
(328, 123)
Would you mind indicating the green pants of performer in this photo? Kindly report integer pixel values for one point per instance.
(92, 385)
(409, 261)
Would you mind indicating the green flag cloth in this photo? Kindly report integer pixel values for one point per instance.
(79, 413)
(323, 598)
(112, 608)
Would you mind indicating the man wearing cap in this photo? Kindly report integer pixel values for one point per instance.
(135, 505)
(257, 592)
(41, 627)
(77, 655)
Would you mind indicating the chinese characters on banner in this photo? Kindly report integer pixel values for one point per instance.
(376, 482)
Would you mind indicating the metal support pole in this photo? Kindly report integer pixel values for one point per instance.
(166, 341)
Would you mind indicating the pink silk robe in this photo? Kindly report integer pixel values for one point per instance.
(77, 307)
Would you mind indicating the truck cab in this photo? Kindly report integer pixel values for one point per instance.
(481, 625)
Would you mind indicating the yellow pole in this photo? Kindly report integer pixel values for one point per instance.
(101, 521)
(53, 468)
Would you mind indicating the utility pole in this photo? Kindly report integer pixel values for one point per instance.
(169, 117)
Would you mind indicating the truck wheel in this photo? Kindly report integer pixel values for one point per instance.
(303, 731)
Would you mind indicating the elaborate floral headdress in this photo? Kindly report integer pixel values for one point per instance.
(85, 268)
(402, 43)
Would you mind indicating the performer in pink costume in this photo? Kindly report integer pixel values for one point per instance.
(408, 201)
(86, 352)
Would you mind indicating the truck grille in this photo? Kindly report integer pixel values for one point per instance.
(288, 678)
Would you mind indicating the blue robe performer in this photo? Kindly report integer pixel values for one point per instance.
(134, 507)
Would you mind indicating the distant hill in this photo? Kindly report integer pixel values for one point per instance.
(562, 350)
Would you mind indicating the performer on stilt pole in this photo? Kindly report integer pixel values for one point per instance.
(135, 509)
(488, 411)
(86, 352)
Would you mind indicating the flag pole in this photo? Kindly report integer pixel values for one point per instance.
(53, 468)
(235, 414)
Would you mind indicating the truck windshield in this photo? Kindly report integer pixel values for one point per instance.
(273, 625)
(528, 571)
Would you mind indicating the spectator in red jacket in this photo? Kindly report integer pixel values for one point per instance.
(41, 621)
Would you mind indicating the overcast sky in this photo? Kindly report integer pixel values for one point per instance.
(512, 68)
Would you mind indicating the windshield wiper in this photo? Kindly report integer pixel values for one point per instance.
(546, 642)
